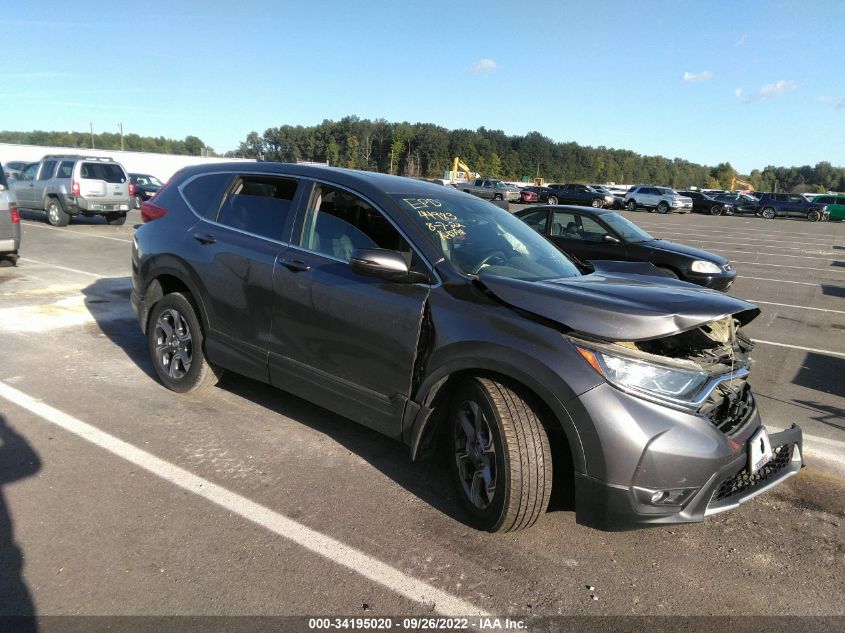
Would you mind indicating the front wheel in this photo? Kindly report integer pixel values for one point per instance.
(631, 205)
(552, 200)
(596, 203)
(500, 456)
(663, 207)
(814, 216)
(768, 213)
(716, 209)
(175, 341)
(56, 214)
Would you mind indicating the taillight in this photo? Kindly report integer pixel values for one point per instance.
(150, 211)
(131, 189)
(74, 188)
(13, 211)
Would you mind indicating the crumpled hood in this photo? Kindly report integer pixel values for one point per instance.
(617, 306)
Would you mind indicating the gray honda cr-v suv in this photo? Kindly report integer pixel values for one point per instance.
(433, 315)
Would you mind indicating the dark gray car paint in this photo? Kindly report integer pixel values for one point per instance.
(509, 328)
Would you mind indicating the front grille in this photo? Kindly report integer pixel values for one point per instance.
(781, 456)
(729, 407)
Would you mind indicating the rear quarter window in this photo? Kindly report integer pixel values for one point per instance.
(205, 193)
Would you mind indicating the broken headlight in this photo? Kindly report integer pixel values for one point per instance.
(703, 266)
(648, 380)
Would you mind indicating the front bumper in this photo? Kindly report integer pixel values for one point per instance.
(715, 281)
(614, 507)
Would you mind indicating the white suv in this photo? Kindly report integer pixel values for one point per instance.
(663, 199)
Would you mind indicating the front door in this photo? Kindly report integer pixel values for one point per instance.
(582, 236)
(345, 341)
(24, 187)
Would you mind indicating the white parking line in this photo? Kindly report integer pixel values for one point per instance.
(694, 233)
(823, 270)
(29, 223)
(657, 225)
(728, 250)
(780, 281)
(825, 352)
(72, 270)
(316, 542)
(789, 305)
(697, 240)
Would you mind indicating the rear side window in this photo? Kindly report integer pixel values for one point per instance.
(65, 169)
(205, 193)
(259, 205)
(47, 169)
(109, 172)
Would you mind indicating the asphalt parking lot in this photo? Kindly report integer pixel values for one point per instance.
(123, 498)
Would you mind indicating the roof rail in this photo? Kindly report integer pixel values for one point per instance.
(102, 158)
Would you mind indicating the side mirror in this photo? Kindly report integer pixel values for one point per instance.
(381, 263)
(607, 237)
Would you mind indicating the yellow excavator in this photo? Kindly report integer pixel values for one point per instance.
(458, 164)
(737, 181)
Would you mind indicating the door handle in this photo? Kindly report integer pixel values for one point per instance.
(205, 238)
(296, 265)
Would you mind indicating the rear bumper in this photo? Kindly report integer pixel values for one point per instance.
(612, 507)
(84, 206)
(11, 243)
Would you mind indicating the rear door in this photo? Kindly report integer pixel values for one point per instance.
(343, 340)
(245, 224)
(103, 184)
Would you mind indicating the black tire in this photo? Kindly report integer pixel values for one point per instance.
(116, 219)
(552, 200)
(716, 209)
(671, 273)
(516, 448)
(175, 312)
(56, 214)
(663, 207)
(597, 203)
(814, 216)
(768, 213)
(631, 205)
(497, 196)
(138, 201)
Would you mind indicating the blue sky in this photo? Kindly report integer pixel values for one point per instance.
(753, 83)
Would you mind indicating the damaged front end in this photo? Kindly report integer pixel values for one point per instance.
(703, 370)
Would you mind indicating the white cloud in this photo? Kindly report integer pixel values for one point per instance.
(702, 76)
(484, 65)
(769, 91)
(738, 92)
(742, 40)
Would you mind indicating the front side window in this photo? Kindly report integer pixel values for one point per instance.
(258, 205)
(626, 229)
(537, 220)
(338, 222)
(477, 236)
(29, 172)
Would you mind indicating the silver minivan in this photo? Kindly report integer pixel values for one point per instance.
(67, 185)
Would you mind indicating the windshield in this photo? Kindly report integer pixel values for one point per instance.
(629, 231)
(476, 236)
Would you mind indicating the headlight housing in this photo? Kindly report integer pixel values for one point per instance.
(652, 381)
(703, 266)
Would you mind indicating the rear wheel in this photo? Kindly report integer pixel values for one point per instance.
(56, 214)
(175, 341)
(552, 200)
(498, 196)
(116, 219)
(663, 207)
(596, 203)
(500, 456)
(768, 213)
(814, 216)
(716, 209)
(138, 201)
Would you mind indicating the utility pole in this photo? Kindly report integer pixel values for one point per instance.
(91, 125)
(120, 125)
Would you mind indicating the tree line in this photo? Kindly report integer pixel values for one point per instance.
(189, 146)
(427, 150)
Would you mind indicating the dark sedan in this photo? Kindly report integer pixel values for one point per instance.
(703, 203)
(741, 203)
(599, 234)
(146, 187)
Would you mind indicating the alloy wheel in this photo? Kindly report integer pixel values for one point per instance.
(173, 343)
(475, 454)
